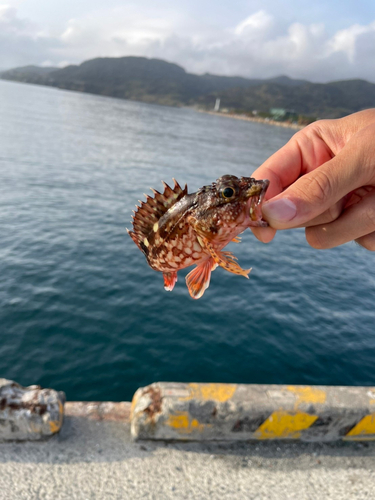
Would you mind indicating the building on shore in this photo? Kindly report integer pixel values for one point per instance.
(281, 114)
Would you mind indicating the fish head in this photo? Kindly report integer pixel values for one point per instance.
(234, 200)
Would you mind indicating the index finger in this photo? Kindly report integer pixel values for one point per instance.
(281, 169)
(306, 151)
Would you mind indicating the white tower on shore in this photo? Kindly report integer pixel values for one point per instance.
(217, 105)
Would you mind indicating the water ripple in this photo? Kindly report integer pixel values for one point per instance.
(80, 309)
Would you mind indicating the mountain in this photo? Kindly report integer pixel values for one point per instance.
(285, 80)
(26, 73)
(161, 82)
(330, 100)
(136, 78)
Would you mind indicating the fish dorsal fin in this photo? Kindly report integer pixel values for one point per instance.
(151, 211)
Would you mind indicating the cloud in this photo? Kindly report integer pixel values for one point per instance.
(20, 41)
(351, 40)
(10, 23)
(261, 45)
(255, 25)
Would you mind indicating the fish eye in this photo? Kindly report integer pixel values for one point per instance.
(228, 192)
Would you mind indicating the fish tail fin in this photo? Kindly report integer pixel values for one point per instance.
(198, 280)
(170, 280)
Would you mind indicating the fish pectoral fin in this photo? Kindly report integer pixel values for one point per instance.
(200, 232)
(226, 260)
(229, 256)
(170, 280)
(198, 279)
(237, 239)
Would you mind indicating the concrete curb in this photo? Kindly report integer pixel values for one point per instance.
(29, 413)
(206, 412)
(99, 411)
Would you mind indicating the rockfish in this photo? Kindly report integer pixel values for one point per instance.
(175, 229)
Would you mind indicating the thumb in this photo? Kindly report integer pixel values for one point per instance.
(315, 192)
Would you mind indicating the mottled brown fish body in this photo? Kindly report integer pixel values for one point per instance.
(176, 230)
(174, 244)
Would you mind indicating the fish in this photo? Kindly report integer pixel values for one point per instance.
(175, 230)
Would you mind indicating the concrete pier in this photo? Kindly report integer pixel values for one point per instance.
(238, 412)
(183, 449)
(29, 413)
(94, 457)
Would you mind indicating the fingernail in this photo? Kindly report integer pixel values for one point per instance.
(280, 210)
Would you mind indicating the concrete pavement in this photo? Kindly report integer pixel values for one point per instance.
(93, 457)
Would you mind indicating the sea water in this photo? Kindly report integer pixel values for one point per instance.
(81, 311)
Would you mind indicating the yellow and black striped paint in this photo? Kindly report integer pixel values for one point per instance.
(195, 411)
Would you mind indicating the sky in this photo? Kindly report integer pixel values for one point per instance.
(320, 40)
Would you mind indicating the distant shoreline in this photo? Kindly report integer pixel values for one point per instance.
(266, 121)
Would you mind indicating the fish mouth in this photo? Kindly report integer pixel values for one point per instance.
(256, 195)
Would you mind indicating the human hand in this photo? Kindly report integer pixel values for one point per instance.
(323, 179)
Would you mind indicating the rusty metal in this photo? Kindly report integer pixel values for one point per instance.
(29, 412)
(155, 405)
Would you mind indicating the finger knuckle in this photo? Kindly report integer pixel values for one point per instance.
(333, 212)
(319, 188)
